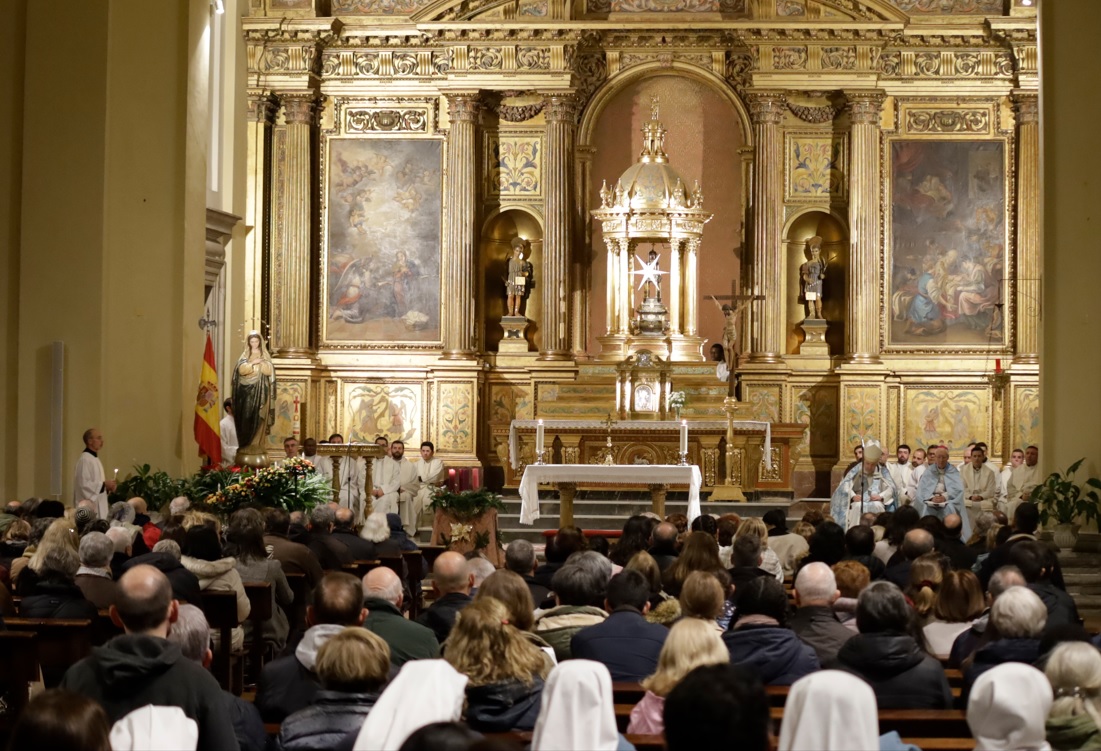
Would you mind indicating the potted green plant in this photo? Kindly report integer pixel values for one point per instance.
(1060, 498)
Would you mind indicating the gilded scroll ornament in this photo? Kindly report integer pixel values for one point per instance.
(948, 121)
(839, 58)
(388, 120)
(789, 58)
(486, 58)
(533, 58)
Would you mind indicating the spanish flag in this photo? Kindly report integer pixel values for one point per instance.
(207, 431)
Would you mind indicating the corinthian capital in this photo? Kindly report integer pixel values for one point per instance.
(299, 108)
(1027, 106)
(261, 107)
(559, 108)
(766, 107)
(463, 107)
(865, 106)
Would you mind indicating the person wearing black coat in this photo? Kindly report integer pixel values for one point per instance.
(502, 707)
(625, 641)
(185, 585)
(51, 591)
(452, 581)
(889, 656)
(760, 639)
(353, 666)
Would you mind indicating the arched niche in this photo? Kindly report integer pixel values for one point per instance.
(495, 247)
(835, 247)
(705, 136)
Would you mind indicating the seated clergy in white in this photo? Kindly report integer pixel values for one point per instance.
(917, 469)
(940, 492)
(980, 483)
(395, 484)
(430, 475)
(353, 476)
(866, 488)
(900, 473)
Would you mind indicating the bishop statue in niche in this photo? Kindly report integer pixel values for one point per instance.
(812, 274)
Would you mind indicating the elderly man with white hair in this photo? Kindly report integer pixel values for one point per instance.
(940, 492)
(866, 488)
(815, 622)
(481, 568)
(408, 640)
(94, 575)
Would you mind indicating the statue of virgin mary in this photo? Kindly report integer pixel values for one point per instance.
(253, 400)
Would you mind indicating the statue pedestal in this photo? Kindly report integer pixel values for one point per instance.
(815, 341)
(514, 340)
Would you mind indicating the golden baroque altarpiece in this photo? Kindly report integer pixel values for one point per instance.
(398, 147)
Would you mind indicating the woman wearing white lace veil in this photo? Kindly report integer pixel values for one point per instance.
(1008, 707)
(424, 692)
(578, 711)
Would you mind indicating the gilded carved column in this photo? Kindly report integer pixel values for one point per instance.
(458, 258)
(582, 261)
(767, 112)
(623, 281)
(261, 115)
(675, 287)
(291, 230)
(560, 114)
(691, 286)
(1026, 106)
(862, 321)
(611, 311)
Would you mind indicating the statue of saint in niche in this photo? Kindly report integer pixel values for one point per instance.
(519, 278)
(253, 395)
(812, 273)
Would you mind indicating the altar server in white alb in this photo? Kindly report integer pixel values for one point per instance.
(89, 482)
(940, 492)
(228, 430)
(396, 485)
(900, 471)
(980, 483)
(430, 475)
(866, 488)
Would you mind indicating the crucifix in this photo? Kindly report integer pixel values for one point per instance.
(730, 327)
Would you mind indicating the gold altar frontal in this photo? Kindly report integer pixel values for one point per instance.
(730, 455)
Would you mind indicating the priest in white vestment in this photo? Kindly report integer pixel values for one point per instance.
(917, 469)
(980, 484)
(89, 482)
(1016, 459)
(866, 488)
(353, 477)
(1021, 482)
(900, 471)
(940, 492)
(430, 475)
(228, 430)
(395, 486)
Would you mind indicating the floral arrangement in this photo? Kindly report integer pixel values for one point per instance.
(466, 504)
(677, 400)
(293, 485)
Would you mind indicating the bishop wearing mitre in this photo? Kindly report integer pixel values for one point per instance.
(866, 488)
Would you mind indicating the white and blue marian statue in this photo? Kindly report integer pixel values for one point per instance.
(866, 488)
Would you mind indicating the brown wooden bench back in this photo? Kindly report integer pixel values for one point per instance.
(61, 643)
(19, 657)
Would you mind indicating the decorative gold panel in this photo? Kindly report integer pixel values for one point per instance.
(942, 414)
(393, 410)
(1026, 416)
(816, 407)
(454, 418)
(815, 164)
(285, 393)
(862, 417)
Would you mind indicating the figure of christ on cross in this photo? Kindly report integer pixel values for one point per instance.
(730, 327)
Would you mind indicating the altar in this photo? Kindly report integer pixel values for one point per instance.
(733, 456)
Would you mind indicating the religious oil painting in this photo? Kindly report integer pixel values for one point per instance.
(953, 417)
(947, 271)
(285, 423)
(387, 409)
(383, 217)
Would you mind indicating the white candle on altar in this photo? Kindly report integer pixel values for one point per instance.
(539, 441)
(684, 436)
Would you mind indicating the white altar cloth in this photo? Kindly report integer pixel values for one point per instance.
(607, 474)
(670, 426)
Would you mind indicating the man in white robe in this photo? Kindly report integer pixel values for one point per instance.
(1021, 482)
(89, 482)
(900, 471)
(228, 430)
(430, 475)
(1016, 459)
(940, 492)
(917, 469)
(395, 486)
(352, 477)
(376, 464)
(980, 484)
(866, 488)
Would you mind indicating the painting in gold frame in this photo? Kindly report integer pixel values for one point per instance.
(946, 271)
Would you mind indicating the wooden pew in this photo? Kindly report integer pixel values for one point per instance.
(431, 553)
(220, 609)
(359, 569)
(261, 600)
(912, 723)
(942, 744)
(61, 643)
(297, 614)
(19, 656)
(522, 739)
(627, 692)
